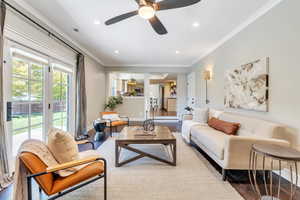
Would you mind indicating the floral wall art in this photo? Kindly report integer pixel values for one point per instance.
(246, 87)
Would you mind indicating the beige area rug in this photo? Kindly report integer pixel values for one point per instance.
(192, 179)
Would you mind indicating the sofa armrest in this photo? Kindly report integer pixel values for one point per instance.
(187, 117)
(237, 150)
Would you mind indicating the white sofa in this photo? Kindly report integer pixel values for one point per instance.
(232, 152)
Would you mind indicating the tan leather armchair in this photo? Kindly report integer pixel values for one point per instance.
(55, 186)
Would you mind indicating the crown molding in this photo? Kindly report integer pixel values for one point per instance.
(24, 5)
(259, 13)
(146, 65)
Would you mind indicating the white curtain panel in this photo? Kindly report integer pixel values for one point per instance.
(4, 166)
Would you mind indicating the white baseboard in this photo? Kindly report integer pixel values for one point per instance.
(286, 174)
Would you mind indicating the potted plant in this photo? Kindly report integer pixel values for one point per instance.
(113, 102)
(189, 109)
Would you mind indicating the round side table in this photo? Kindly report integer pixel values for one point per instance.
(273, 158)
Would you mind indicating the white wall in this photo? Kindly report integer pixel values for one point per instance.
(95, 89)
(275, 35)
(132, 107)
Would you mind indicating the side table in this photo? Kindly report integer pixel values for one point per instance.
(275, 157)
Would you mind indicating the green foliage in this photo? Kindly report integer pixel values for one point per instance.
(113, 102)
(24, 74)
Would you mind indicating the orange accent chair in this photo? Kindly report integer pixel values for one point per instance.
(123, 121)
(55, 186)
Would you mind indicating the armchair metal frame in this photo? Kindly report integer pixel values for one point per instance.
(71, 189)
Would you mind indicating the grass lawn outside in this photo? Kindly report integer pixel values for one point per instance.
(20, 123)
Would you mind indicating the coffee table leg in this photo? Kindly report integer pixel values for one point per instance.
(117, 154)
(174, 154)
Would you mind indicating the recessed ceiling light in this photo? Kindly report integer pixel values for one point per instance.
(196, 24)
(97, 22)
(117, 51)
(177, 52)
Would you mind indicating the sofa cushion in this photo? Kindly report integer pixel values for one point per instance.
(200, 115)
(212, 139)
(255, 127)
(214, 113)
(228, 128)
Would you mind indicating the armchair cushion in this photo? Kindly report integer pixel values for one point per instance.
(53, 184)
(85, 173)
(35, 165)
(119, 123)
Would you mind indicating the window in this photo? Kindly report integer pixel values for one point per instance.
(61, 96)
(27, 100)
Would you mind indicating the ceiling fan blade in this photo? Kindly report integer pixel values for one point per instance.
(121, 17)
(171, 4)
(139, 2)
(158, 26)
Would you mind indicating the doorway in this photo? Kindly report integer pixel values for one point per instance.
(163, 96)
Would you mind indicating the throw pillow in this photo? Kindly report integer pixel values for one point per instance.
(200, 115)
(228, 128)
(63, 146)
(214, 113)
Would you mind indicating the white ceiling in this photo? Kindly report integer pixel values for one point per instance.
(137, 43)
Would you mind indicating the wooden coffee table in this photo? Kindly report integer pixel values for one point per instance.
(136, 135)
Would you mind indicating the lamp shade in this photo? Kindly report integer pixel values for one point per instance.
(206, 75)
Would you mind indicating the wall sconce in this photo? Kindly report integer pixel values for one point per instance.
(206, 76)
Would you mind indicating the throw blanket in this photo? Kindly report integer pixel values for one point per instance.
(41, 150)
(186, 129)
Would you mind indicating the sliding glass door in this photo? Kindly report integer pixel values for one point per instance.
(39, 91)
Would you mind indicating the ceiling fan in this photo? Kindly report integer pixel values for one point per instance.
(147, 10)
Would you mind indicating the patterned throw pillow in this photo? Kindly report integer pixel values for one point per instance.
(63, 146)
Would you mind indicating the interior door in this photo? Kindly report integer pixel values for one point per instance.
(191, 89)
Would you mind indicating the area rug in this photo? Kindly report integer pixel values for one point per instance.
(192, 179)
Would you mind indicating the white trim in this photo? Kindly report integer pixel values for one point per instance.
(136, 119)
(259, 13)
(43, 19)
(286, 174)
(145, 65)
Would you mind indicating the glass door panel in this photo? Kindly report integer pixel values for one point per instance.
(60, 93)
(27, 101)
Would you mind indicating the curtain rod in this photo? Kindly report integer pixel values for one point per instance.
(41, 27)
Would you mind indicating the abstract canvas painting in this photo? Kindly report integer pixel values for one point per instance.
(246, 87)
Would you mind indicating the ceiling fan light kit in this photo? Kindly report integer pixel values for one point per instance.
(147, 10)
